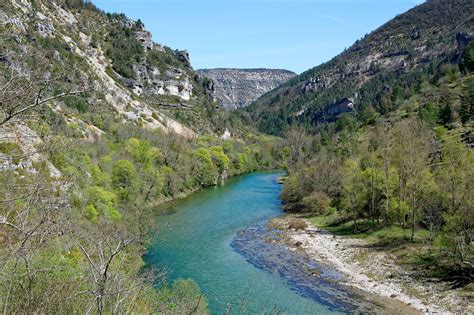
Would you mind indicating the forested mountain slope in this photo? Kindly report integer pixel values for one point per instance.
(380, 148)
(98, 126)
(139, 80)
(389, 63)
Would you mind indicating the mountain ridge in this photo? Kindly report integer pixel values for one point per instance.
(396, 56)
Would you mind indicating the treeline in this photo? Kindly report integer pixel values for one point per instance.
(413, 169)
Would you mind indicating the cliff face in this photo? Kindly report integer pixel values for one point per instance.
(393, 59)
(115, 57)
(237, 88)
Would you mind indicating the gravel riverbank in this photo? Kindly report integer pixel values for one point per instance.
(374, 271)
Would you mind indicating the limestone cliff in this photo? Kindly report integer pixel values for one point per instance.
(236, 88)
(111, 56)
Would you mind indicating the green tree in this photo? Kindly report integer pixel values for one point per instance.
(466, 111)
(101, 203)
(354, 191)
(205, 170)
(317, 203)
(456, 178)
(467, 59)
(123, 178)
(142, 152)
(412, 148)
(220, 158)
(446, 114)
(429, 114)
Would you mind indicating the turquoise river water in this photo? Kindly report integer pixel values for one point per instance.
(197, 240)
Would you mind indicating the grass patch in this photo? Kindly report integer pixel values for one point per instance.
(276, 224)
(13, 150)
(337, 224)
(9, 148)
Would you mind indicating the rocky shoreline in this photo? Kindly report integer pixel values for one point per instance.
(374, 272)
(263, 248)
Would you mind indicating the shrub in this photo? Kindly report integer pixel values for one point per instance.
(297, 224)
(124, 50)
(76, 102)
(317, 202)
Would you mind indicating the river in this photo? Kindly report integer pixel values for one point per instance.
(218, 238)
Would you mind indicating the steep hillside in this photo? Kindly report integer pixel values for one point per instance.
(387, 64)
(141, 81)
(99, 125)
(237, 88)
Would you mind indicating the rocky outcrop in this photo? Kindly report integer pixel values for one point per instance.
(83, 40)
(145, 38)
(236, 88)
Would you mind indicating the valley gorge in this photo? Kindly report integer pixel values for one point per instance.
(132, 183)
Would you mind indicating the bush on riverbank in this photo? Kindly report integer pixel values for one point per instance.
(297, 224)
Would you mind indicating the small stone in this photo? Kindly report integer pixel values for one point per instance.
(298, 244)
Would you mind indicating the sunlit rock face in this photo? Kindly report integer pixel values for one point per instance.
(237, 88)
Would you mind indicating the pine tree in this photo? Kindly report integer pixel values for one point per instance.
(467, 61)
(446, 114)
(466, 111)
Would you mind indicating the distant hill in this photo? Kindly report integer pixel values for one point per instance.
(237, 88)
(388, 63)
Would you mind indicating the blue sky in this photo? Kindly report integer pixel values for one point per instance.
(287, 34)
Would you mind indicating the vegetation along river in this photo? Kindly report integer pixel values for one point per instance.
(218, 237)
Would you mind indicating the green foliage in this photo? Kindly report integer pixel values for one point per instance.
(78, 103)
(466, 111)
(143, 154)
(317, 202)
(220, 158)
(183, 297)
(162, 60)
(91, 213)
(429, 114)
(467, 60)
(393, 184)
(123, 178)
(13, 150)
(291, 194)
(80, 4)
(124, 50)
(101, 202)
(446, 115)
(206, 170)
